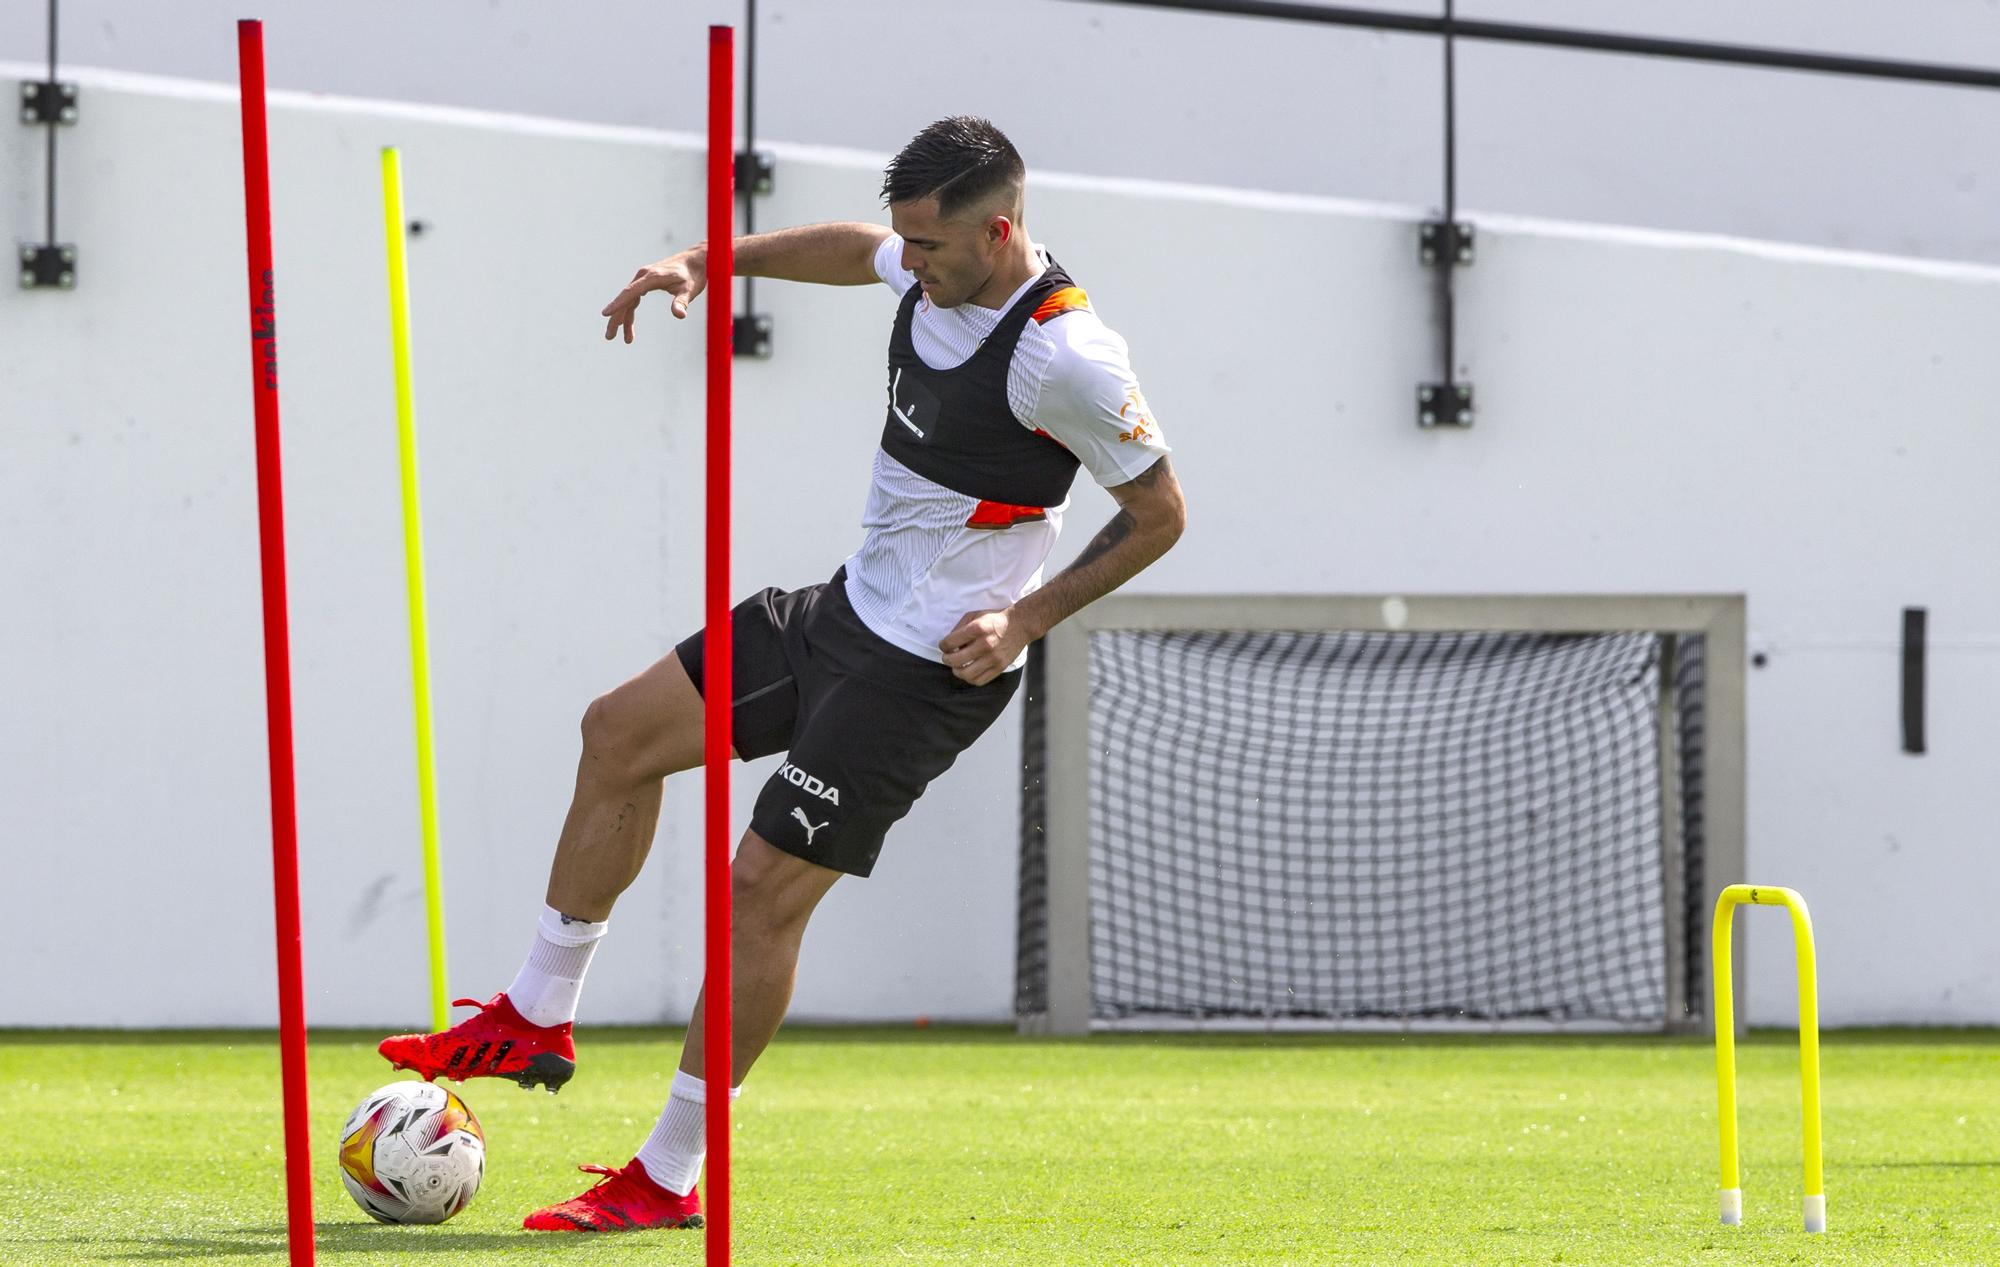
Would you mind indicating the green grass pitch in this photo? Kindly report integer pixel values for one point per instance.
(973, 1146)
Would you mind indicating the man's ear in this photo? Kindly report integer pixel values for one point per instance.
(1000, 230)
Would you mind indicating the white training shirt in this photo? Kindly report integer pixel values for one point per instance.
(920, 570)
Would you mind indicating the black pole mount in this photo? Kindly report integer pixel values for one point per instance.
(756, 173)
(51, 264)
(750, 332)
(1441, 406)
(756, 176)
(1462, 243)
(1446, 247)
(48, 102)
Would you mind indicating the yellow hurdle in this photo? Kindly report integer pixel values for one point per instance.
(413, 559)
(1725, 1046)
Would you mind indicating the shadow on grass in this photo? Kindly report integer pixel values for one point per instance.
(328, 1238)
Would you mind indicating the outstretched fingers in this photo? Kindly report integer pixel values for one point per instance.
(622, 313)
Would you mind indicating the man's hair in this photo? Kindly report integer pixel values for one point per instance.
(962, 160)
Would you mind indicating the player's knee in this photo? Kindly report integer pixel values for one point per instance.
(615, 738)
(598, 727)
(767, 905)
(755, 906)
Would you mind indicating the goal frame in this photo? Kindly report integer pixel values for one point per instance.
(1721, 619)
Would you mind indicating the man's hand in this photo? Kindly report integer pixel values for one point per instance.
(682, 276)
(984, 644)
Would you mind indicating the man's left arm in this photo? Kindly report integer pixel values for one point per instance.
(1151, 516)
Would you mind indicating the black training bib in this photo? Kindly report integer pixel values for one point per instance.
(955, 427)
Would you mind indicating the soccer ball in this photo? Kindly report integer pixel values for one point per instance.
(412, 1153)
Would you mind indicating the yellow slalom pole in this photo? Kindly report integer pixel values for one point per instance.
(1725, 1053)
(413, 556)
(1725, 1046)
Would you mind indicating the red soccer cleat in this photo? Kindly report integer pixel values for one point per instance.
(623, 1201)
(497, 1043)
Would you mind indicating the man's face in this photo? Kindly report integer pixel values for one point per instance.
(952, 258)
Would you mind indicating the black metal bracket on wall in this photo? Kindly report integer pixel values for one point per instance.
(756, 175)
(1445, 246)
(49, 104)
(750, 332)
(48, 264)
(1439, 406)
(49, 101)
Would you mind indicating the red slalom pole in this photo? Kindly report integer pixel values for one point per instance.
(277, 647)
(718, 643)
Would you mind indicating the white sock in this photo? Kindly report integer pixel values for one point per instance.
(550, 982)
(673, 1153)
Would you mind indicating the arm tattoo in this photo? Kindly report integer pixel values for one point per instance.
(1150, 476)
(1121, 524)
(1105, 541)
(1117, 553)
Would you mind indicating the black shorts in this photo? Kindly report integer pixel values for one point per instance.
(867, 724)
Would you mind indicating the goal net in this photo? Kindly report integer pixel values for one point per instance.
(1480, 826)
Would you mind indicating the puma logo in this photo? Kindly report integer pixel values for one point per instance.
(807, 823)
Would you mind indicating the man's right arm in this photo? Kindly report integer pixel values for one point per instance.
(840, 254)
(831, 254)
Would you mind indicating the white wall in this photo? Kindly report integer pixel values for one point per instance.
(1658, 413)
(1252, 103)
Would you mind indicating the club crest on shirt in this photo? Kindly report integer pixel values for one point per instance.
(1136, 411)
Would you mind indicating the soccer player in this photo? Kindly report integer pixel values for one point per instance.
(1001, 382)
